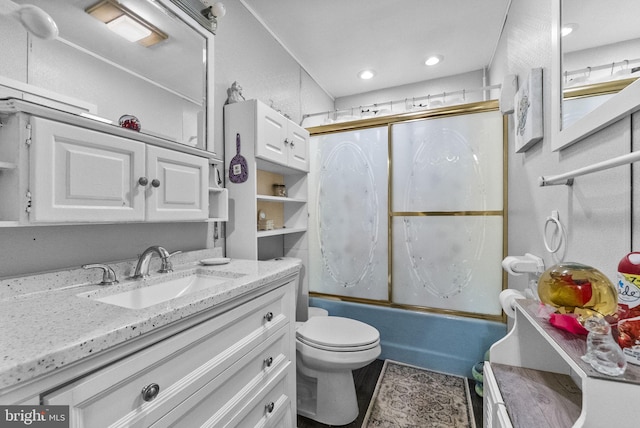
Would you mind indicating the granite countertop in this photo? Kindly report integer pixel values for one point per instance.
(49, 321)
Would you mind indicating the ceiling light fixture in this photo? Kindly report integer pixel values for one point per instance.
(33, 19)
(213, 12)
(366, 74)
(126, 24)
(433, 60)
(568, 29)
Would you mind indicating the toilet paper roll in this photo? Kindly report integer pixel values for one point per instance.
(507, 298)
(508, 263)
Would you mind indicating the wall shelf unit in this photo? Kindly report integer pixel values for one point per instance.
(270, 161)
(536, 377)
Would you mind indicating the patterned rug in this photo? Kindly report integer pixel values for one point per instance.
(411, 397)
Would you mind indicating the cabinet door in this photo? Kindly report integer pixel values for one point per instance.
(177, 186)
(79, 175)
(298, 142)
(270, 135)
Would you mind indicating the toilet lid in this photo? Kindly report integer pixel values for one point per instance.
(337, 333)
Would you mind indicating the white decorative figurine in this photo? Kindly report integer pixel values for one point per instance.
(603, 353)
(234, 93)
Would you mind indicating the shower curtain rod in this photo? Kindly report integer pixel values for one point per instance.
(567, 178)
(413, 99)
(611, 65)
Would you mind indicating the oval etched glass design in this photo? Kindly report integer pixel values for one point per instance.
(347, 210)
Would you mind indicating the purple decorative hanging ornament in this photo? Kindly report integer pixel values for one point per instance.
(238, 170)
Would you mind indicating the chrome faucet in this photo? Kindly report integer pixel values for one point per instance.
(142, 268)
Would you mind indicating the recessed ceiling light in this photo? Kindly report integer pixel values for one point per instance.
(366, 74)
(568, 29)
(434, 59)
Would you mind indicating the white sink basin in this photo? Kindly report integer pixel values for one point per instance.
(153, 294)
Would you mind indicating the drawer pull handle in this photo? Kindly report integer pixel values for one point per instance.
(269, 407)
(150, 391)
(269, 316)
(268, 361)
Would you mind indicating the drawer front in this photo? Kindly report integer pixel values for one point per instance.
(221, 399)
(271, 407)
(180, 366)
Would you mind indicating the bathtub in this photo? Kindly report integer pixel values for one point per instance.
(443, 343)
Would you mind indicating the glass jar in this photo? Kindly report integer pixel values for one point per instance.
(280, 190)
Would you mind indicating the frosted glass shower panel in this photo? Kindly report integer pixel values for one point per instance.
(348, 220)
(448, 164)
(448, 262)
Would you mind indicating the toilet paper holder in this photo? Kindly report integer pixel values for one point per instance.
(529, 263)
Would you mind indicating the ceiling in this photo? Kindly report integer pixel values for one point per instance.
(336, 39)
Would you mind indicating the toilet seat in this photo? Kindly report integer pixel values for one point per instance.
(338, 334)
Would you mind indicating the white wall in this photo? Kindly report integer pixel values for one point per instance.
(597, 210)
(244, 52)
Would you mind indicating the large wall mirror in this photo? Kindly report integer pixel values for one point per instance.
(158, 75)
(595, 66)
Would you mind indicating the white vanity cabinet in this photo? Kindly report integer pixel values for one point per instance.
(277, 139)
(536, 377)
(234, 369)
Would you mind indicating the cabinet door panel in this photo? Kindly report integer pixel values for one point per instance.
(182, 191)
(271, 133)
(298, 147)
(81, 175)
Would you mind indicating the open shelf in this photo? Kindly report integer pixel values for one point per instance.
(284, 231)
(280, 199)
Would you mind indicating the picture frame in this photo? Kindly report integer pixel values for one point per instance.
(528, 119)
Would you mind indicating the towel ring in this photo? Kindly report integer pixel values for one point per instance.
(560, 230)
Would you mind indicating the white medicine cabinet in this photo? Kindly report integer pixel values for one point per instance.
(56, 168)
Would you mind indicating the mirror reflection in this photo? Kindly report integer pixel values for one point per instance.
(111, 59)
(600, 53)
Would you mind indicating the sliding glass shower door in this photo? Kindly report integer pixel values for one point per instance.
(411, 214)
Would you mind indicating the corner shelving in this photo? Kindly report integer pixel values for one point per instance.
(536, 377)
(271, 159)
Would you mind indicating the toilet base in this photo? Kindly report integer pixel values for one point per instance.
(318, 398)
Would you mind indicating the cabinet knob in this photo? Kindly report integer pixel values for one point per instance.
(143, 181)
(269, 407)
(150, 391)
(292, 144)
(268, 361)
(269, 316)
(155, 182)
(286, 141)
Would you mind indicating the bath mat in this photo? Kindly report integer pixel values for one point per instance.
(408, 396)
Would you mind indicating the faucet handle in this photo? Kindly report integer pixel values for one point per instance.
(108, 274)
(167, 266)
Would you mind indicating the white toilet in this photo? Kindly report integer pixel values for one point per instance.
(327, 350)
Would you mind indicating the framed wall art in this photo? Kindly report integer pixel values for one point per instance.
(528, 112)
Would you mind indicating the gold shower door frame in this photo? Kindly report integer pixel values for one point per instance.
(388, 121)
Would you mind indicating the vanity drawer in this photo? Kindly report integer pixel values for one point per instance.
(221, 400)
(270, 409)
(180, 366)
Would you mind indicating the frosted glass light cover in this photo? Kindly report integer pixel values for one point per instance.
(348, 221)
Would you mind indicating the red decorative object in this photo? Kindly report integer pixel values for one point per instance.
(130, 122)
